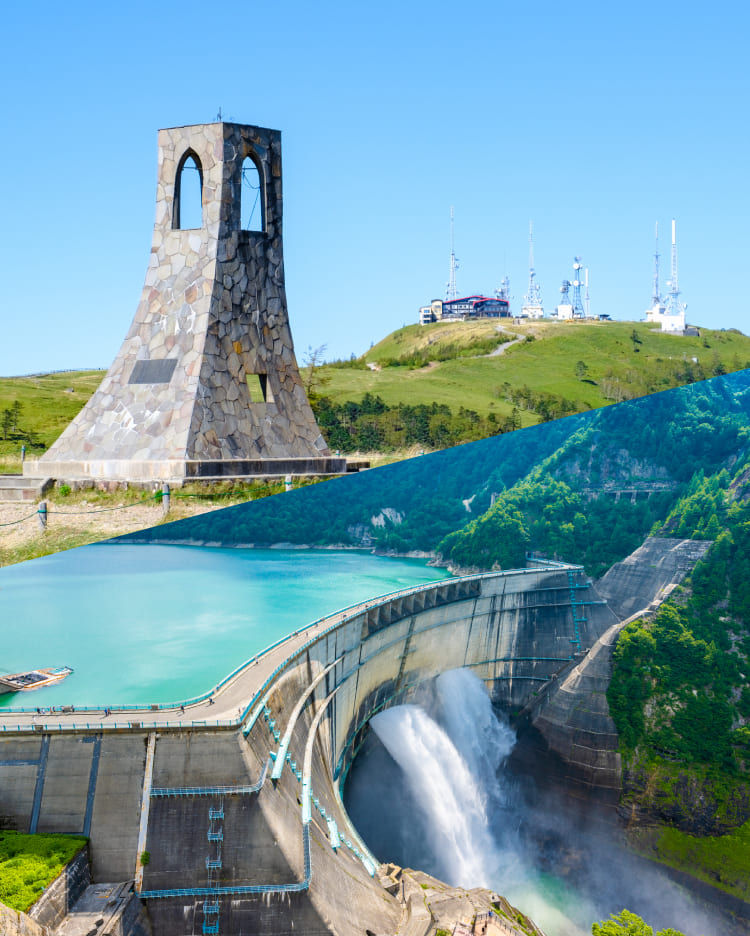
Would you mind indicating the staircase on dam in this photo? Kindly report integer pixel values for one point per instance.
(239, 826)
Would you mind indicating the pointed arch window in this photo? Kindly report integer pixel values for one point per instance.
(188, 193)
(252, 208)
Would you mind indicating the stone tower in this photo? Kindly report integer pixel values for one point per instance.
(206, 383)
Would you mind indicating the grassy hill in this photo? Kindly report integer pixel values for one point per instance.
(545, 360)
(48, 403)
(448, 375)
(437, 385)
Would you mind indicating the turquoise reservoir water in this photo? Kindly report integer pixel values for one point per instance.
(143, 624)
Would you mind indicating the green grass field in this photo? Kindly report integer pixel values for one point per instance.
(48, 403)
(584, 364)
(548, 363)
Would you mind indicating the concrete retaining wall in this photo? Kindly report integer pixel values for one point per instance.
(133, 921)
(19, 765)
(56, 901)
(66, 783)
(15, 923)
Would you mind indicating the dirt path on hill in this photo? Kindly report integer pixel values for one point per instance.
(501, 349)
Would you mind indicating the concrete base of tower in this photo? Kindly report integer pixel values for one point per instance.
(264, 467)
(178, 471)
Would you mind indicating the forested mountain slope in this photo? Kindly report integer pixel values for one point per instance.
(451, 382)
(680, 698)
(594, 499)
(587, 488)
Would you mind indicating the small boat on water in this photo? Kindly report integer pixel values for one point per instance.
(33, 679)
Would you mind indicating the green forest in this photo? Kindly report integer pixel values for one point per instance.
(680, 693)
(655, 450)
(370, 425)
(551, 489)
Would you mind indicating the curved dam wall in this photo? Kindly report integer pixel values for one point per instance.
(239, 827)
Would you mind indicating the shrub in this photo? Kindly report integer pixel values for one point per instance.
(28, 863)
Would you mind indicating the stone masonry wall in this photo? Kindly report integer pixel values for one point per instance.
(212, 313)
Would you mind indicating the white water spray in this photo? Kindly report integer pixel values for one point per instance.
(461, 821)
(482, 739)
(447, 772)
(469, 817)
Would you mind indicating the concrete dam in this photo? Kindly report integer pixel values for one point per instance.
(227, 813)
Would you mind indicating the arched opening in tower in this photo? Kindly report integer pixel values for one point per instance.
(251, 197)
(188, 194)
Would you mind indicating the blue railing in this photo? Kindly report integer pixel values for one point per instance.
(239, 889)
(360, 607)
(207, 791)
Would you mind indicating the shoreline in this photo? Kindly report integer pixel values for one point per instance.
(432, 557)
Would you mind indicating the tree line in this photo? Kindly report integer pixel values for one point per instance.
(370, 425)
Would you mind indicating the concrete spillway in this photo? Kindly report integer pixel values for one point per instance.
(229, 816)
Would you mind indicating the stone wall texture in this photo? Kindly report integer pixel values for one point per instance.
(212, 314)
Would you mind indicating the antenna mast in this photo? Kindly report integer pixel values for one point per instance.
(673, 305)
(532, 301)
(588, 299)
(656, 297)
(577, 302)
(503, 290)
(450, 291)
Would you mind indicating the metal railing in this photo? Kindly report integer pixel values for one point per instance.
(357, 608)
(239, 889)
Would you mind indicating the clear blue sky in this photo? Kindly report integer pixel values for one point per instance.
(595, 120)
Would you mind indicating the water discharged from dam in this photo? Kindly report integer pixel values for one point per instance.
(449, 775)
(434, 790)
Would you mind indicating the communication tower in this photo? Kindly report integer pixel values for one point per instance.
(503, 291)
(673, 304)
(532, 301)
(656, 293)
(577, 301)
(565, 309)
(450, 290)
(669, 313)
(588, 298)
